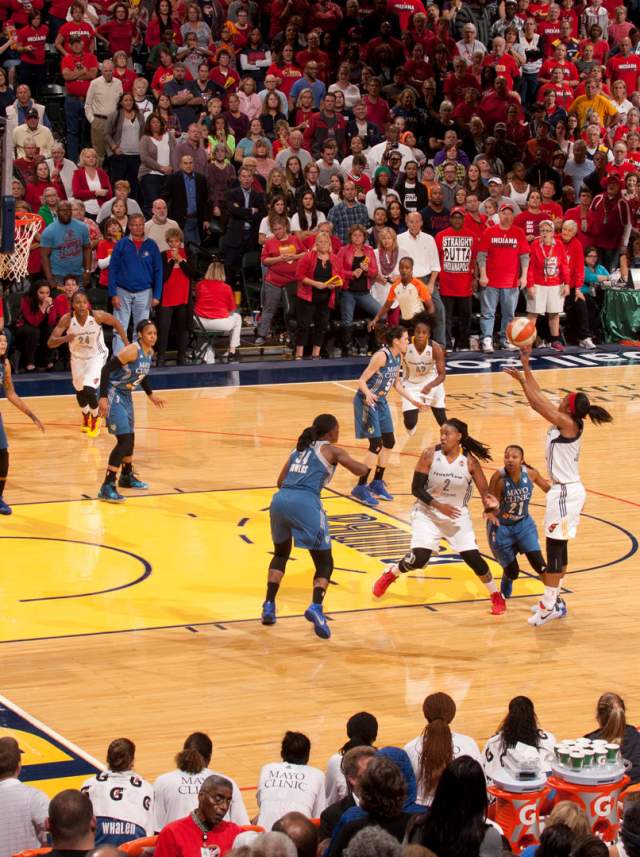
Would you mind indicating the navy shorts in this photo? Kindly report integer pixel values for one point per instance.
(120, 418)
(371, 420)
(299, 515)
(4, 443)
(508, 540)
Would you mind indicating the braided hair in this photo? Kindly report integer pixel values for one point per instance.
(322, 425)
(470, 446)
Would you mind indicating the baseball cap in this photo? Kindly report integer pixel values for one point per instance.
(32, 113)
(458, 210)
(506, 206)
(10, 753)
(501, 125)
(495, 180)
(610, 179)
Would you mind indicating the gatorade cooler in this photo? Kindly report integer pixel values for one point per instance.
(600, 803)
(518, 814)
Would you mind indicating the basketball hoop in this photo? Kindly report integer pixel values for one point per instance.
(13, 266)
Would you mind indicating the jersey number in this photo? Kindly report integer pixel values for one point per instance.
(445, 486)
(516, 509)
(84, 339)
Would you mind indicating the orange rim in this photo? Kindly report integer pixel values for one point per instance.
(24, 217)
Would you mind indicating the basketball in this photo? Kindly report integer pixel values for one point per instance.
(521, 331)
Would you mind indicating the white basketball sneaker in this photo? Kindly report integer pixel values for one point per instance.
(542, 615)
(487, 345)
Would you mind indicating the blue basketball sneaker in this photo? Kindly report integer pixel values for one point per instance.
(314, 614)
(4, 508)
(109, 493)
(362, 493)
(379, 489)
(268, 613)
(130, 480)
(506, 586)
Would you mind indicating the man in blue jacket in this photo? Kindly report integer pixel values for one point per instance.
(135, 277)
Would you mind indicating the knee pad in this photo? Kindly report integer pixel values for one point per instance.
(388, 439)
(375, 445)
(90, 397)
(476, 562)
(537, 561)
(122, 449)
(410, 419)
(281, 553)
(556, 555)
(512, 570)
(323, 561)
(415, 558)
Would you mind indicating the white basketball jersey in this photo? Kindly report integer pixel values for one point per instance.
(419, 366)
(89, 340)
(450, 482)
(563, 455)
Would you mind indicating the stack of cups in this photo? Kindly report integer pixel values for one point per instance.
(584, 753)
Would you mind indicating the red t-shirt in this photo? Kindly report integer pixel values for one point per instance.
(36, 38)
(569, 70)
(377, 113)
(126, 78)
(503, 248)
(288, 75)
(72, 62)
(103, 251)
(550, 31)
(505, 67)
(73, 28)
(404, 9)
(530, 222)
(600, 49)
(214, 299)
(457, 249)
(548, 266)
(282, 272)
(551, 209)
(183, 838)
(175, 289)
(626, 69)
(162, 76)
(564, 94)
(119, 34)
(477, 227)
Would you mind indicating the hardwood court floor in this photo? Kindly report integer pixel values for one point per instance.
(187, 563)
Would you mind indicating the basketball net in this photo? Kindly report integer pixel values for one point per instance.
(13, 266)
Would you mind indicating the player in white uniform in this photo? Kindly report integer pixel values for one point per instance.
(423, 374)
(88, 354)
(565, 499)
(442, 485)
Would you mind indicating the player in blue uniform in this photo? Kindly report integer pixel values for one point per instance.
(297, 515)
(7, 385)
(372, 414)
(120, 376)
(511, 529)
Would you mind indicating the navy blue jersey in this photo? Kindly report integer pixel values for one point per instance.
(309, 470)
(514, 505)
(131, 374)
(385, 377)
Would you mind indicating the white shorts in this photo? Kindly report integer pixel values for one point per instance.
(545, 299)
(429, 528)
(564, 502)
(86, 373)
(434, 399)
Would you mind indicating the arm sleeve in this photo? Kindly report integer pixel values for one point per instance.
(109, 367)
(419, 488)
(146, 386)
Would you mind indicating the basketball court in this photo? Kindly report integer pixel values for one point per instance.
(142, 620)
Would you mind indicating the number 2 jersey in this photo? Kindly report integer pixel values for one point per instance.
(448, 482)
(122, 804)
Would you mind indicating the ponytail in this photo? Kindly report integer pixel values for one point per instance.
(362, 729)
(580, 407)
(322, 425)
(190, 761)
(121, 754)
(435, 755)
(520, 450)
(611, 717)
(388, 334)
(469, 445)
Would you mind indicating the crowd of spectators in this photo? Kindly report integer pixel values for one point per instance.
(336, 138)
(432, 794)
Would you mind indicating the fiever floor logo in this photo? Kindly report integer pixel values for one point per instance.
(478, 362)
